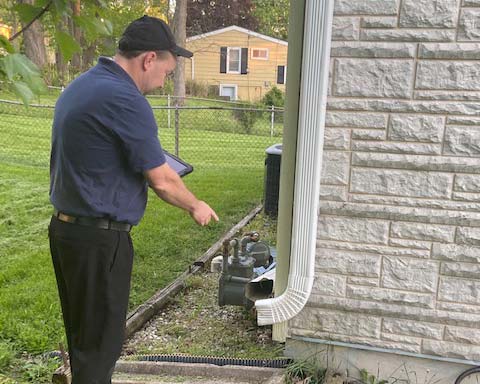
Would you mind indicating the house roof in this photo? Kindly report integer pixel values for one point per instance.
(238, 29)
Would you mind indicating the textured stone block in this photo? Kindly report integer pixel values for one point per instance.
(447, 95)
(348, 263)
(452, 75)
(332, 192)
(338, 139)
(375, 249)
(467, 183)
(373, 50)
(369, 134)
(367, 281)
(413, 328)
(471, 3)
(416, 128)
(467, 235)
(414, 148)
(379, 22)
(469, 271)
(390, 296)
(415, 244)
(459, 290)
(366, 7)
(463, 120)
(461, 196)
(373, 78)
(401, 339)
(422, 231)
(423, 215)
(462, 141)
(462, 335)
(332, 285)
(452, 252)
(407, 106)
(335, 168)
(337, 322)
(416, 202)
(353, 230)
(356, 120)
(420, 163)
(401, 183)
(449, 349)
(346, 28)
(461, 308)
(410, 35)
(453, 51)
(409, 274)
(469, 27)
(429, 14)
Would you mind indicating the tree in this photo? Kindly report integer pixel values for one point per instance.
(179, 30)
(34, 41)
(272, 17)
(209, 15)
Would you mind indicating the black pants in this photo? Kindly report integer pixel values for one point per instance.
(93, 268)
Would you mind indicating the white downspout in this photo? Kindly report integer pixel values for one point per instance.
(311, 124)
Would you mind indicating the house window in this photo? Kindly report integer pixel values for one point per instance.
(281, 74)
(233, 60)
(229, 90)
(260, 53)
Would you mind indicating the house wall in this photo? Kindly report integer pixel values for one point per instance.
(261, 76)
(398, 243)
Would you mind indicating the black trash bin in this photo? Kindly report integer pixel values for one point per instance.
(272, 179)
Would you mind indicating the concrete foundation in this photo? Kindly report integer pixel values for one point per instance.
(384, 365)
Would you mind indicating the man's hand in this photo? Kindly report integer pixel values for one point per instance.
(202, 213)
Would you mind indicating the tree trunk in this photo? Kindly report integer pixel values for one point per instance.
(33, 40)
(77, 35)
(179, 30)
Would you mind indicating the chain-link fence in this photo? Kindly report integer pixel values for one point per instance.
(221, 136)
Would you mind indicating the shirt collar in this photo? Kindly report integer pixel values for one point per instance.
(111, 66)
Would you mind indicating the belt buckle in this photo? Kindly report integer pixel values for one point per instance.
(69, 219)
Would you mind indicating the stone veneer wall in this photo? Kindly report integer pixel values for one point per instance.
(398, 246)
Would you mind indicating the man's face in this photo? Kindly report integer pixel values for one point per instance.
(161, 67)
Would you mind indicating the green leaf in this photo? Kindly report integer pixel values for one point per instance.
(5, 44)
(93, 26)
(9, 67)
(26, 12)
(66, 44)
(23, 91)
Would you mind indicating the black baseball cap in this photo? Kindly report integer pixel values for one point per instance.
(150, 34)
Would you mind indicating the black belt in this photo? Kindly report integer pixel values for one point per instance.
(93, 222)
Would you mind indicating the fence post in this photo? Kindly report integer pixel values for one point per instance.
(168, 105)
(272, 120)
(177, 128)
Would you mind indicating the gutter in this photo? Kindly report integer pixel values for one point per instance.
(318, 15)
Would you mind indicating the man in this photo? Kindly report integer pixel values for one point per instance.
(105, 149)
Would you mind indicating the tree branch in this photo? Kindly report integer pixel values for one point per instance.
(44, 9)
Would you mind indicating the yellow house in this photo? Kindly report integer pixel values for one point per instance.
(5, 30)
(243, 64)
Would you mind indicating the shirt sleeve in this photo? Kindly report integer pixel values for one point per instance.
(138, 132)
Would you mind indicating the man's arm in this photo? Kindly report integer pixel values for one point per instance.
(169, 187)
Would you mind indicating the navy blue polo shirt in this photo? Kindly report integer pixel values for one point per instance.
(104, 137)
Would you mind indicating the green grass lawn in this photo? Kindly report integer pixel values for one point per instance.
(228, 175)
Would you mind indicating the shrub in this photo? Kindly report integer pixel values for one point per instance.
(195, 88)
(247, 117)
(274, 97)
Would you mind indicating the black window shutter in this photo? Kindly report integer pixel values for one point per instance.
(223, 59)
(281, 74)
(244, 61)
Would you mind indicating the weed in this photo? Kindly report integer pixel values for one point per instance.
(306, 371)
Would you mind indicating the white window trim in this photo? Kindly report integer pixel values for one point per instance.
(239, 59)
(259, 58)
(235, 86)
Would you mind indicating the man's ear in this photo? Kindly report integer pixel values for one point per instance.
(148, 60)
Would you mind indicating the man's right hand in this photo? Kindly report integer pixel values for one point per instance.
(203, 214)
